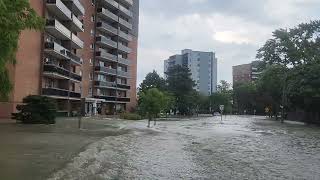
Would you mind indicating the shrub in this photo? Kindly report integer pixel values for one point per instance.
(36, 110)
(130, 116)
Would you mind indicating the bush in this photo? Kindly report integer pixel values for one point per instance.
(130, 116)
(36, 110)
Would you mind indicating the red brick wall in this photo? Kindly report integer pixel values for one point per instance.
(87, 52)
(25, 75)
(133, 69)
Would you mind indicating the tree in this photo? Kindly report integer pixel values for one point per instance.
(15, 16)
(152, 103)
(296, 46)
(218, 99)
(180, 84)
(36, 110)
(152, 80)
(223, 87)
(271, 84)
(244, 95)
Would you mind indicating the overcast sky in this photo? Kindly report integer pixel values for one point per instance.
(233, 29)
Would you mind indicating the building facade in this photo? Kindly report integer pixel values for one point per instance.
(87, 53)
(246, 73)
(203, 68)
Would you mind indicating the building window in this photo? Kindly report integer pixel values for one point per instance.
(91, 46)
(92, 32)
(90, 61)
(80, 73)
(91, 76)
(92, 18)
(93, 2)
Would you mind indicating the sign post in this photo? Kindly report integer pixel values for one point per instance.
(221, 107)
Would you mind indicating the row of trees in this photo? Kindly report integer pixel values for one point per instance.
(290, 78)
(177, 94)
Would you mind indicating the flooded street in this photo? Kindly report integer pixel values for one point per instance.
(202, 148)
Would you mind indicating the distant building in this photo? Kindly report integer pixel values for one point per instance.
(246, 73)
(203, 67)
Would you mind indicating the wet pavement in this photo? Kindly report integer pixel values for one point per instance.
(201, 148)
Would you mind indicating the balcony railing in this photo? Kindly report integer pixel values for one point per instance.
(60, 10)
(77, 25)
(105, 41)
(55, 28)
(128, 2)
(75, 94)
(124, 48)
(123, 86)
(105, 84)
(77, 43)
(75, 76)
(107, 28)
(126, 11)
(113, 98)
(103, 54)
(123, 74)
(125, 36)
(111, 2)
(56, 50)
(124, 61)
(125, 23)
(77, 7)
(107, 14)
(56, 69)
(55, 92)
(74, 58)
(106, 70)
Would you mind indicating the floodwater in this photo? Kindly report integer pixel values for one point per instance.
(202, 148)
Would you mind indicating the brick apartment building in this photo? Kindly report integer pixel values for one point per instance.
(87, 52)
(245, 73)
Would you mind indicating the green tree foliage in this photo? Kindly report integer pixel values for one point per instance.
(36, 110)
(152, 102)
(244, 95)
(180, 85)
(223, 87)
(296, 46)
(15, 16)
(152, 80)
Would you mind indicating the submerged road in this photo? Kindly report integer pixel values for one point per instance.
(202, 148)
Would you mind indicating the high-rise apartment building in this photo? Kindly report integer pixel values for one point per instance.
(203, 67)
(245, 73)
(87, 53)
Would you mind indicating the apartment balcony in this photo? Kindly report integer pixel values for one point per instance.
(105, 70)
(110, 3)
(76, 42)
(76, 25)
(104, 56)
(104, 84)
(106, 28)
(123, 74)
(76, 60)
(107, 15)
(127, 2)
(113, 98)
(105, 42)
(57, 72)
(123, 86)
(125, 24)
(124, 61)
(56, 50)
(59, 9)
(76, 6)
(124, 36)
(124, 48)
(74, 94)
(55, 28)
(126, 12)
